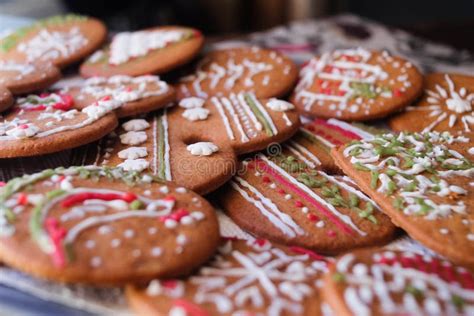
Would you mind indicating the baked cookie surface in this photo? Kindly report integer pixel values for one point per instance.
(103, 226)
(260, 71)
(61, 40)
(6, 99)
(245, 278)
(447, 105)
(356, 85)
(152, 51)
(423, 182)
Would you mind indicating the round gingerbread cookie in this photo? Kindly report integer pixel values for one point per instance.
(61, 40)
(447, 105)
(265, 73)
(195, 143)
(385, 282)
(282, 198)
(21, 78)
(139, 95)
(423, 182)
(356, 85)
(103, 226)
(151, 51)
(245, 278)
(6, 99)
(315, 139)
(49, 122)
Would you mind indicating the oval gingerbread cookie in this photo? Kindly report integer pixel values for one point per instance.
(447, 105)
(263, 72)
(103, 226)
(424, 182)
(21, 78)
(138, 95)
(281, 198)
(151, 51)
(49, 122)
(356, 84)
(195, 143)
(385, 282)
(245, 278)
(61, 40)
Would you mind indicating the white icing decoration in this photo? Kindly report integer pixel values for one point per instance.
(133, 138)
(191, 102)
(135, 125)
(202, 149)
(279, 105)
(134, 165)
(133, 153)
(196, 114)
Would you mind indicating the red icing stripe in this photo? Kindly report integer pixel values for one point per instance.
(304, 251)
(339, 129)
(81, 197)
(190, 308)
(303, 195)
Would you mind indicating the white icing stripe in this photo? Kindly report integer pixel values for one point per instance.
(347, 187)
(230, 109)
(224, 118)
(306, 152)
(247, 124)
(351, 128)
(300, 156)
(164, 121)
(435, 122)
(345, 218)
(356, 306)
(321, 139)
(248, 110)
(264, 112)
(279, 219)
(286, 119)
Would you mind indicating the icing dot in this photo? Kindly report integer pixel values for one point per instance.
(197, 215)
(181, 239)
(129, 233)
(470, 237)
(115, 242)
(288, 196)
(152, 230)
(169, 223)
(186, 220)
(96, 262)
(181, 190)
(320, 224)
(156, 251)
(104, 229)
(444, 231)
(360, 269)
(273, 186)
(90, 244)
(305, 209)
(164, 189)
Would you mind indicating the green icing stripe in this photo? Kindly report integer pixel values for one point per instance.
(313, 139)
(258, 114)
(12, 40)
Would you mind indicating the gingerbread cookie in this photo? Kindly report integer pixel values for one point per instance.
(263, 72)
(21, 78)
(383, 282)
(46, 123)
(103, 226)
(6, 99)
(245, 278)
(447, 105)
(151, 51)
(139, 95)
(195, 143)
(61, 40)
(315, 139)
(424, 182)
(356, 85)
(283, 199)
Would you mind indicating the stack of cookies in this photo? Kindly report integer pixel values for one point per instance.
(283, 152)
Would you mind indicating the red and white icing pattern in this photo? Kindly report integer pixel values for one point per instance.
(229, 74)
(56, 110)
(119, 87)
(129, 45)
(405, 283)
(51, 45)
(314, 207)
(262, 278)
(336, 71)
(449, 104)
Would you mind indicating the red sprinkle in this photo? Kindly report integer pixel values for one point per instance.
(266, 179)
(397, 92)
(313, 217)
(81, 197)
(331, 233)
(106, 98)
(57, 234)
(281, 191)
(260, 242)
(22, 199)
(23, 126)
(190, 308)
(304, 251)
(299, 204)
(2, 183)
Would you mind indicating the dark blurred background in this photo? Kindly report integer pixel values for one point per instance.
(450, 22)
